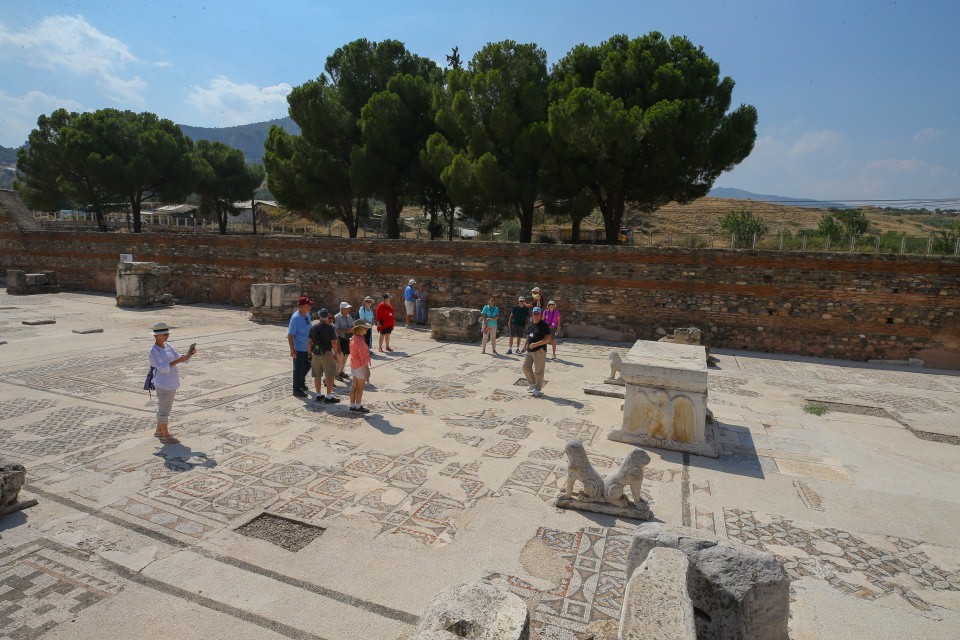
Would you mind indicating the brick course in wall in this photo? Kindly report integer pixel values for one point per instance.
(850, 306)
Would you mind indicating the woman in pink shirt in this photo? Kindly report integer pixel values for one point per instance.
(552, 317)
(359, 365)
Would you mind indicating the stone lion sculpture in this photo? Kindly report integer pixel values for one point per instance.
(580, 468)
(611, 490)
(628, 474)
(615, 362)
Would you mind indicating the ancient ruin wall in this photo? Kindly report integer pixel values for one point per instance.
(833, 305)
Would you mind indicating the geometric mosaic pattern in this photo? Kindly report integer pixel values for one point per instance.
(10, 409)
(548, 481)
(399, 502)
(591, 589)
(38, 591)
(846, 562)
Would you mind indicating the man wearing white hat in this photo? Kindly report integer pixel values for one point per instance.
(410, 301)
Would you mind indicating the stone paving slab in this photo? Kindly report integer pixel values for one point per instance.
(451, 479)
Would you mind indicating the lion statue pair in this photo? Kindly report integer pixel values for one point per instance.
(611, 489)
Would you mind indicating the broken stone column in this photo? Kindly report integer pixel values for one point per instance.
(738, 593)
(665, 399)
(12, 477)
(140, 284)
(455, 323)
(273, 303)
(476, 610)
(21, 283)
(656, 603)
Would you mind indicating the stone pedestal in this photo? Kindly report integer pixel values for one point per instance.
(22, 283)
(140, 284)
(455, 323)
(666, 398)
(273, 303)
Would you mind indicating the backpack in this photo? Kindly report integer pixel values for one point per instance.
(148, 382)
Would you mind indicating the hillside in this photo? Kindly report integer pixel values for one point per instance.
(249, 138)
(8, 155)
(703, 216)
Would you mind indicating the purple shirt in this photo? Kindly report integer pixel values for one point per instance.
(552, 317)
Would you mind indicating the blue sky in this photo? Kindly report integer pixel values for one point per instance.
(857, 100)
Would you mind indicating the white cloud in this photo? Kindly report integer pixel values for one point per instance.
(71, 44)
(816, 142)
(227, 103)
(18, 114)
(926, 135)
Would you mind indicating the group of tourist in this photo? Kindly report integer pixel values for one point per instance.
(532, 326)
(323, 345)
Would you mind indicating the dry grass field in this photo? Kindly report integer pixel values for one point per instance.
(703, 216)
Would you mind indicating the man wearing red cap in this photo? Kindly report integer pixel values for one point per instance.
(298, 336)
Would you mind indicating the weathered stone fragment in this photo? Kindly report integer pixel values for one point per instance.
(21, 283)
(140, 284)
(476, 610)
(12, 477)
(273, 303)
(738, 593)
(656, 603)
(454, 323)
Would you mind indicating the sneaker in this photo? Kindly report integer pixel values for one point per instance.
(531, 387)
(509, 352)
(319, 398)
(536, 393)
(362, 410)
(300, 394)
(519, 351)
(343, 377)
(353, 409)
(332, 400)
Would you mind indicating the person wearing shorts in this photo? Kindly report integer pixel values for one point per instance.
(324, 349)
(359, 365)
(385, 322)
(518, 324)
(410, 301)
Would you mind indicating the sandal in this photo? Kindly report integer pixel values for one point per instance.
(169, 440)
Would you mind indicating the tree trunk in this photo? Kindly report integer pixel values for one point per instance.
(101, 222)
(525, 213)
(222, 213)
(135, 209)
(613, 220)
(451, 214)
(394, 208)
(253, 208)
(575, 231)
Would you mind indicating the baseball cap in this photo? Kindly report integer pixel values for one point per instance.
(536, 290)
(386, 295)
(521, 298)
(304, 300)
(323, 313)
(537, 310)
(345, 305)
(412, 281)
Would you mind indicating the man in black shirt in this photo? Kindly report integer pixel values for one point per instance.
(324, 348)
(535, 362)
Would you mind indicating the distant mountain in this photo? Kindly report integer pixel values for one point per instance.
(8, 155)
(249, 138)
(740, 194)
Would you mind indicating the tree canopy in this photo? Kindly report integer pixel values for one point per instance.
(645, 121)
(363, 126)
(224, 178)
(101, 157)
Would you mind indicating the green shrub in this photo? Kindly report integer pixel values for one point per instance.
(743, 226)
(815, 408)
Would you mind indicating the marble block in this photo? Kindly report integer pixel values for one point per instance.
(666, 398)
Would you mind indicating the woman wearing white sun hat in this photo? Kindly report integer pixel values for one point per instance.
(166, 380)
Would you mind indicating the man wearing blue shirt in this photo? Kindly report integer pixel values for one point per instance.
(298, 334)
(410, 300)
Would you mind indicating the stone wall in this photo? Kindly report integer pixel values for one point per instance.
(839, 305)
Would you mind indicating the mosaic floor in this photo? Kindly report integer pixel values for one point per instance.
(452, 439)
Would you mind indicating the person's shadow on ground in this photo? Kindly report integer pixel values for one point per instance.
(178, 457)
(383, 425)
